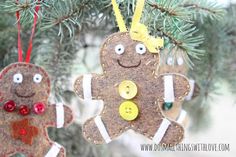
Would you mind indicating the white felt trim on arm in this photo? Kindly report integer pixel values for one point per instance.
(102, 129)
(60, 115)
(161, 130)
(190, 94)
(54, 151)
(182, 116)
(87, 83)
(169, 95)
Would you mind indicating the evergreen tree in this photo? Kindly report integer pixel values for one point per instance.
(203, 31)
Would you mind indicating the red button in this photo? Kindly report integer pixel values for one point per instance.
(24, 110)
(39, 108)
(9, 106)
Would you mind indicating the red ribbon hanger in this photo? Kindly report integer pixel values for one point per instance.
(20, 52)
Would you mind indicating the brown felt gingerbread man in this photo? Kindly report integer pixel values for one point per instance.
(175, 64)
(26, 113)
(131, 90)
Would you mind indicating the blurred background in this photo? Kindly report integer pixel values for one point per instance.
(67, 44)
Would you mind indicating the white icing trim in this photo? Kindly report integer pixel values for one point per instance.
(60, 115)
(190, 94)
(169, 89)
(87, 83)
(161, 131)
(54, 151)
(182, 116)
(102, 129)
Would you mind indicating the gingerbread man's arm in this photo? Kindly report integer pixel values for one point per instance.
(59, 115)
(172, 87)
(89, 86)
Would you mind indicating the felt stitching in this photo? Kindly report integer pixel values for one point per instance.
(30, 66)
(103, 50)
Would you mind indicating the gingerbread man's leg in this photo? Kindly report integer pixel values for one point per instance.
(169, 133)
(183, 119)
(104, 128)
(182, 116)
(56, 150)
(92, 133)
(158, 128)
(49, 150)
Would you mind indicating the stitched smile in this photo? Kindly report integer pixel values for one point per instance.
(24, 96)
(128, 66)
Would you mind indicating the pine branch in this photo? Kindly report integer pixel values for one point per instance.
(26, 8)
(202, 9)
(198, 7)
(163, 10)
(66, 15)
(171, 8)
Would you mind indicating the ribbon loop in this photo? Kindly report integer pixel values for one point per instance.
(138, 31)
(119, 17)
(20, 52)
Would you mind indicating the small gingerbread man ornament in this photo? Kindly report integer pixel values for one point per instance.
(176, 64)
(26, 113)
(130, 88)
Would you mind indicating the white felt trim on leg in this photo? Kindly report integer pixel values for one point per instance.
(161, 131)
(169, 95)
(60, 115)
(102, 129)
(54, 151)
(87, 83)
(190, 94)
(182, 116)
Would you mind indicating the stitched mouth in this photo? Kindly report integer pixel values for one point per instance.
(128, 66)
(24, 96)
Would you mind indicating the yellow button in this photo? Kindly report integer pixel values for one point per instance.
(128, 110)
(128, 89)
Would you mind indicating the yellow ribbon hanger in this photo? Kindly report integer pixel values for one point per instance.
(138, 31)
(119, 17)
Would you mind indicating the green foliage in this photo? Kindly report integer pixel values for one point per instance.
(203, 10)
(216, 67)
(200, 29)
(172, 19)
(203, 30)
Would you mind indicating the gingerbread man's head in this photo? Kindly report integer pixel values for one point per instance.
(24, 87)
(173, 63)
(120, 53)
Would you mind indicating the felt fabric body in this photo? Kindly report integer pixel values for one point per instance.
(127, 66)
(8, 88)
(176, 64)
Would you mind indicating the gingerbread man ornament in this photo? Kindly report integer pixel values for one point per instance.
(176, 64)
(130, 88)
(26, 113)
